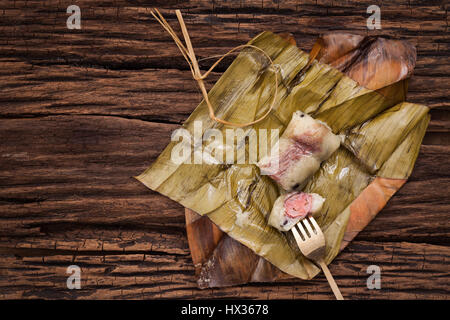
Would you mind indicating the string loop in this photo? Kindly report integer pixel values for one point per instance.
(189, 55)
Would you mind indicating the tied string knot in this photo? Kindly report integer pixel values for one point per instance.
(189, 55)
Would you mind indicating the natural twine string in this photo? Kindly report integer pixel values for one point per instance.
(188, 54)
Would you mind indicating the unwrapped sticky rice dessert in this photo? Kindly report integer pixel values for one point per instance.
(304, 144)
(290, 208)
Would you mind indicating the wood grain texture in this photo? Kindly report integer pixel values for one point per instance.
(83, 111)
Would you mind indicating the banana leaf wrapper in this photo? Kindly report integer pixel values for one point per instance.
(374, 62)
(242, 94)
(222, 261)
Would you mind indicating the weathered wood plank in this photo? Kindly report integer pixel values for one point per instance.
(153, 94)
(408, 271)
(66, 174)
(83, 111)
(138, 63)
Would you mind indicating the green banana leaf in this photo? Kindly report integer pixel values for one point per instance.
(380, 137)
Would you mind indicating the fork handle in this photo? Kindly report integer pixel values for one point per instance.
(331, 281)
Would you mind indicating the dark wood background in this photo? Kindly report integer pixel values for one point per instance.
(83, 111)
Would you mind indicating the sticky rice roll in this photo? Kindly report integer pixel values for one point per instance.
(290, 208)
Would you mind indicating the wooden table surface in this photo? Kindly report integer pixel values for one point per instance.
(83, 111)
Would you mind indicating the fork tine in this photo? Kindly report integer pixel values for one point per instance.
(308, 226)
(297, 236)
(314, 223)
(302, 230)
(312, 245)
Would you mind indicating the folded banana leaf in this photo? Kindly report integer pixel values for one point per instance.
(374, 62)
(226, 193)
(215, 255)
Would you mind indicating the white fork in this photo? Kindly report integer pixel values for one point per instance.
(311, 242)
